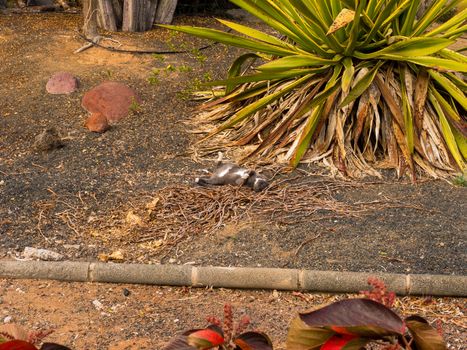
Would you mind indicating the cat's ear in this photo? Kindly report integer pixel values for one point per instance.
(220, 156)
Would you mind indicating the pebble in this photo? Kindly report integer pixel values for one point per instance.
(41, 254)
(7, 319)
(126, 292)
(97, 304)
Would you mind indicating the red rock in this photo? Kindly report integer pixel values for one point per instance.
(62, 83)
(97, 122)
(114, 100)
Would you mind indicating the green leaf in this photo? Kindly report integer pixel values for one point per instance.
(262, 102)
(233, 40)
(409, 18)
(432, 62)
(236, 68)
(425, 337)
(449, 24)
(268, 76)
(450, 87)
(296, 61)
(306, 134)
(256, 34)
(355, 29)
(362, 85)
(447, 133)
(409, 48)
(437, 8)
(348, 74)
(382, 16)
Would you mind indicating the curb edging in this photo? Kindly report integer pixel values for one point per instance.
(233, 277)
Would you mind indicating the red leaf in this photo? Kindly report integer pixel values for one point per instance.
(205, 339)
(197, 339)
(337, 342)
(17, 345)
(253, 341)
(362, 317)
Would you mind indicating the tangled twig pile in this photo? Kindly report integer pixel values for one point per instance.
(178, 212)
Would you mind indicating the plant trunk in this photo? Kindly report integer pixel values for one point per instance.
(107, 16)
(90, 18)
(165, 11)
(127, 15)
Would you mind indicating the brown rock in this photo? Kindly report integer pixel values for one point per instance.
(48, 140)
(62, 83)
(114, 100)
(97, 122)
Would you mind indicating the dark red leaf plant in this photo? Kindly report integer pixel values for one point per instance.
(226, 335)
(15, 337)
(352, 324)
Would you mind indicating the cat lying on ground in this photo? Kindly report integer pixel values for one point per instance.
(233, 174)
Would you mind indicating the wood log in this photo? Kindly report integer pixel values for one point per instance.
(165, 11)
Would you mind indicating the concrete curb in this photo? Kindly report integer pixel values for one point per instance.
(233, 277)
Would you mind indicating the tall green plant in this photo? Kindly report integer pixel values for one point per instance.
(358, 84)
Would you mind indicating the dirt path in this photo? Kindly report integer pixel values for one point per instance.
(150, 316)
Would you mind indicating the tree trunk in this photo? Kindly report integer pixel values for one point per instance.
(117, 6)
(151, 15)
(90, 19)
(107, 15)
(165, 11)
(132, 15)
(127, 15)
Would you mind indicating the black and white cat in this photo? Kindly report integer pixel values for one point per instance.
(233, 174)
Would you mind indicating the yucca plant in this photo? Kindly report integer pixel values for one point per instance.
(357, 84)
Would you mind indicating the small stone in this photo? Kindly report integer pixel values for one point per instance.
(126, 292)
(48, 140)
(7, 319)
(41, 254)
(97, 304)
(172, 261)
(62, 83)
(97, 122)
